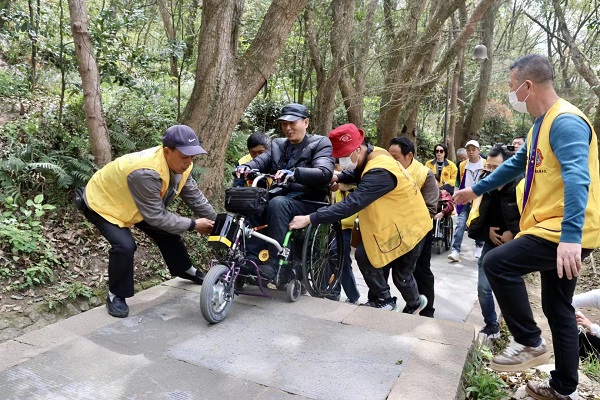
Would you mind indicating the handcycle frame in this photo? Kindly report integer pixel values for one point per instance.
(229, 272)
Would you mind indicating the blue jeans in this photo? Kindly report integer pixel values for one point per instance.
(484, 290)
(461, 226)
(348, 282)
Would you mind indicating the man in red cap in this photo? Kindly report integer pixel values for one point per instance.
(393, 217)
(136, 189)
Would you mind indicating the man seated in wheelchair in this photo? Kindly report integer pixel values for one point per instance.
(445, 205)
(302, 160)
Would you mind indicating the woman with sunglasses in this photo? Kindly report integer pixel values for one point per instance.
(445, 171)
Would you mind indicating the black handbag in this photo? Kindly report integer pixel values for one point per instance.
(246, 200)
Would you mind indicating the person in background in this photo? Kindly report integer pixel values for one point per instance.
(589, 333)
(445, 206)
(304, 161)
(403, 150)
(257, 143)
(470, 172)
(517, 143)
(495, 221)
(340, 191)
(135, 190)
(445, 171)
(560, 225)
(392, 239)
(461, 155)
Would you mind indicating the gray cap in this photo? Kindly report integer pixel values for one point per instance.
(293, 112)
(184, 139)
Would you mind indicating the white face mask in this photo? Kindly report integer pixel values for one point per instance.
(518, 106)
(346, 162)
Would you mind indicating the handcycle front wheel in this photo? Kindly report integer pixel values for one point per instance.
(216, 294)
(322, 258)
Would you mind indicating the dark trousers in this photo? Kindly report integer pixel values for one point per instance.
(402, 269)
(589, 345)
(505, 266)
(347, 282)
(280, 211)
(424, 277)
(123, 247)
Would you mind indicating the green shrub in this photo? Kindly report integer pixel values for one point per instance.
(480, 382)
(21, 236)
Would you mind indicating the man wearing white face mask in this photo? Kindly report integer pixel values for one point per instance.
(560, 225)
(393, 217)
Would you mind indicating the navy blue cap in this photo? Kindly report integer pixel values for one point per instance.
(184, 139)
(293, 112)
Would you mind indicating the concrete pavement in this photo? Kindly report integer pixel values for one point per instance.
(265, 349)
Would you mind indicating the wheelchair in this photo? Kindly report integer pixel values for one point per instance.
(308, 258)
(443, 233)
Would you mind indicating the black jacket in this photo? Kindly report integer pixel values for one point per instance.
(311, 162)
(479, 228)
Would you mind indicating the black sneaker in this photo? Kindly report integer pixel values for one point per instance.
(388, 304)
(417, 309)
(117, 307)
(197, 279)
(492, 331)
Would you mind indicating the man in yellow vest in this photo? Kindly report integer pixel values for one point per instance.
(403, 150)
(560, 225)
(136, 189)
(390, 239)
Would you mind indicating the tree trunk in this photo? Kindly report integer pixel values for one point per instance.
(167, 19)
(34, 27)
(90, 80)
(227, 82)
(353, 94)
(474, 118)
(343, 17)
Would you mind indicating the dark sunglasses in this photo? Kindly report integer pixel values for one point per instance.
(439, 150)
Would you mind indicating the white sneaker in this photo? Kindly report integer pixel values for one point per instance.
(478, 251)
(454, 256)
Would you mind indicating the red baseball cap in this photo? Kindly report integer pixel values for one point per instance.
(345, 139)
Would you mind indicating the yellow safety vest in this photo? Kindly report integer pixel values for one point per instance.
(245, 159)
(338, 197)
(395, 223)
(543, 214)
(419, 172)
(107, 192)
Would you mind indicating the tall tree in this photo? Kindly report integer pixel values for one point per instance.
(474, 117)
(352, 81)
(226, 81)
(90, 80)
(166, 14)
(404, 88)
(339, 37)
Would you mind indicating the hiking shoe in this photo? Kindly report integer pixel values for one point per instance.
(454, 256)
(388, 304)
(543, 391)
(517, 357)
(197, 279)
(117, 307)
(351, 302)
(492, 331)
(416, 310)
(478, 251)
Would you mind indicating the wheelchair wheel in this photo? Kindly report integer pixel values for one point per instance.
(293, 289)
(448, 233)
(216, 294)
(322, 258)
